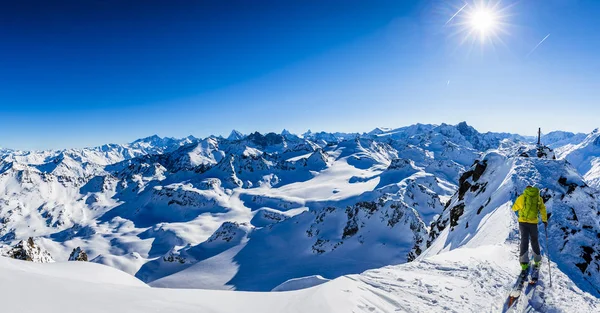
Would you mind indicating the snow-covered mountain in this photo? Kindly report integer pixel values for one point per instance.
(558, 139)
(585, 156)
(422, 211)
(235, 135)
(487, 192)
(253, 211)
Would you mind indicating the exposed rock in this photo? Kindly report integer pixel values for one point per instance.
(230, 231)
(78, 255)
(29, 251)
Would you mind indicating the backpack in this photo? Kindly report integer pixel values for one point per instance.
(531, 197)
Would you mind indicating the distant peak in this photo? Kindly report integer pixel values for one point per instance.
(465, 129)
(379, 131)
(149, 139)
(463, 124)
(235, 135)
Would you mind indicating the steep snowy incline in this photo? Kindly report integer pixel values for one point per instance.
(480, 213)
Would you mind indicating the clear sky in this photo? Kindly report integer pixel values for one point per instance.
(83, 73)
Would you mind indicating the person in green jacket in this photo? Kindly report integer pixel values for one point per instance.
(530, 206)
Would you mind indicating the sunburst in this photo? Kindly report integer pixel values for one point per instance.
(483, 21)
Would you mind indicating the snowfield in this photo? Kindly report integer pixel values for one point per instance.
(414, 219)
(463, 280)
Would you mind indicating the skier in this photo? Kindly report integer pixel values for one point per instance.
(529, 206)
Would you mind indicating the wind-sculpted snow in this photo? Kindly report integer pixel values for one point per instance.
(301, 283)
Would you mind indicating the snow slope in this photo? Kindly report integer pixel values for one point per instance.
(76, 286)
(473, 279)
(479, 213)
(301, 283)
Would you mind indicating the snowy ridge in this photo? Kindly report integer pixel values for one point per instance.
(480, 215)
(490, 188)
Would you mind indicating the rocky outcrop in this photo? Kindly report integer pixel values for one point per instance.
(28, 250)
(366, 222)
(78, 255)
(230, 231)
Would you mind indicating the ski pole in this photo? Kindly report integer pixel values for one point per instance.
(548, 254)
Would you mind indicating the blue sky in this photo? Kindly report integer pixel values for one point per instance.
(84, 73)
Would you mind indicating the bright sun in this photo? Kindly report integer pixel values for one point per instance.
(483, 21)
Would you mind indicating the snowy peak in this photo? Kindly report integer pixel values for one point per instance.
(325, 138)
(466, 130)
(585, 157)
(235, 136)
(270, 139)
(557, 139)
(379, 131)
(318, 160)
(158, 145)
(288, 135)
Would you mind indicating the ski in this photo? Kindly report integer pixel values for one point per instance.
(515, 293)
(534, 276)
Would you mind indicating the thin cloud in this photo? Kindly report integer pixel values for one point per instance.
(536, 46)
(455, 14)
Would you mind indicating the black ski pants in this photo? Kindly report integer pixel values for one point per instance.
(529, 232)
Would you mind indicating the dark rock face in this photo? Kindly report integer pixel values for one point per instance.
(78, 255)
(475, 173)
(29, 251)
(266, 140)
(468, 182)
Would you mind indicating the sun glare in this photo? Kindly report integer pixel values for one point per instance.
(482, 21)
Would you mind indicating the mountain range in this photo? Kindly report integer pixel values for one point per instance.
(262, 212)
